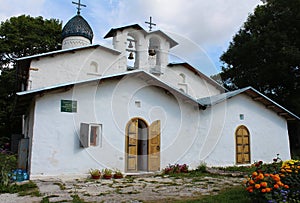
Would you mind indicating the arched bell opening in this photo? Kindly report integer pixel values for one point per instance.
(154, 53)
(131, 53)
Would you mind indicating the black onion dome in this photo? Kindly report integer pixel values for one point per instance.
(77, 26)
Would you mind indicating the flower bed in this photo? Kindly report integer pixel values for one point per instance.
(176, 168)
(276, 182)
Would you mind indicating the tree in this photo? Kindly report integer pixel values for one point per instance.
(19, 37)
(265, 53)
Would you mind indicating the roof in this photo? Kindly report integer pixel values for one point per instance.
(256, 96)
(72, 50)
(173, 43)
(197, 72)
(113, 32)
(26, 97)
(78, 26)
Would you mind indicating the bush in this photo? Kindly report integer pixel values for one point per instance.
(8, 162)
(276, 182)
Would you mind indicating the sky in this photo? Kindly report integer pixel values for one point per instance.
(202, 28)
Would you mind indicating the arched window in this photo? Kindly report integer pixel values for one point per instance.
(242, 138)
(94, 67)
(182, 78)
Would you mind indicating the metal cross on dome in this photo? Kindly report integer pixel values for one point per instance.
(78, 7)
(150, 24)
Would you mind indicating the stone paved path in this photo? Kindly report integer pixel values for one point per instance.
(129, 189)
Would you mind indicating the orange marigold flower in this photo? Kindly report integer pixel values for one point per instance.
(260, 176)
(257, 186)
(254, 174)
(282, 175)
(251, 182)
(263, 184)
(267, 175)
(263, 190)
(276, 186)
(268, 189)
(276, 177)
(249, 188)
(280, 183)
(286, 186)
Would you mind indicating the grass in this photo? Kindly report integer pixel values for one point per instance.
(29, 188)
(245, 169)
(233, 195)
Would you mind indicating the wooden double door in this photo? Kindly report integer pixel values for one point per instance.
(142, 146)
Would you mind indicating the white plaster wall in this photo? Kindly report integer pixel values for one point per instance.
(75, 41)
(69, 67)
(268, 132)
(194, 85)
(55, 142)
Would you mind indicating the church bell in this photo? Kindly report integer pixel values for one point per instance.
(130, 57)
(151, 52)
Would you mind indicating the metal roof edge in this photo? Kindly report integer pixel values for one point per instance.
(234, 93)
(67, 50)
(165, 85)
(275, 103)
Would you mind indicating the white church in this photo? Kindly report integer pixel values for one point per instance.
(130, 108)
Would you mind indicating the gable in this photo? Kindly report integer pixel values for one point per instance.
(191, 81)
(256, 96)
(48, 68)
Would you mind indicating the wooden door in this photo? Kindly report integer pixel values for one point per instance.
(132, 145)
(242, 145)
(154, 146)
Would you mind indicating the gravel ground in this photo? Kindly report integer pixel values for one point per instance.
(132, 189)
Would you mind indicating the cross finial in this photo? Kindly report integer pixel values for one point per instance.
(78, 7)
(150, 24)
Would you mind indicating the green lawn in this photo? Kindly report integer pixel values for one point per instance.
(233, 195)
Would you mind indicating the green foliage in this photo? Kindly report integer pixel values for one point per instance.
(24, 36)
(237, 168)
(202, 168)
(8, 162)
(29, 188)
(265, 53)
(21, 36)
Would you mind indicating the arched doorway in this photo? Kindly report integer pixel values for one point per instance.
(242, 138)
(142, 146)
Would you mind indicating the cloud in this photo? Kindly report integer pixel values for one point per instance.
(16, 7)
(203, 26)
(206, 22)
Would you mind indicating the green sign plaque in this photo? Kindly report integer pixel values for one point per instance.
(69, 106)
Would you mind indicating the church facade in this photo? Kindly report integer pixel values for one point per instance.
(127, 107)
